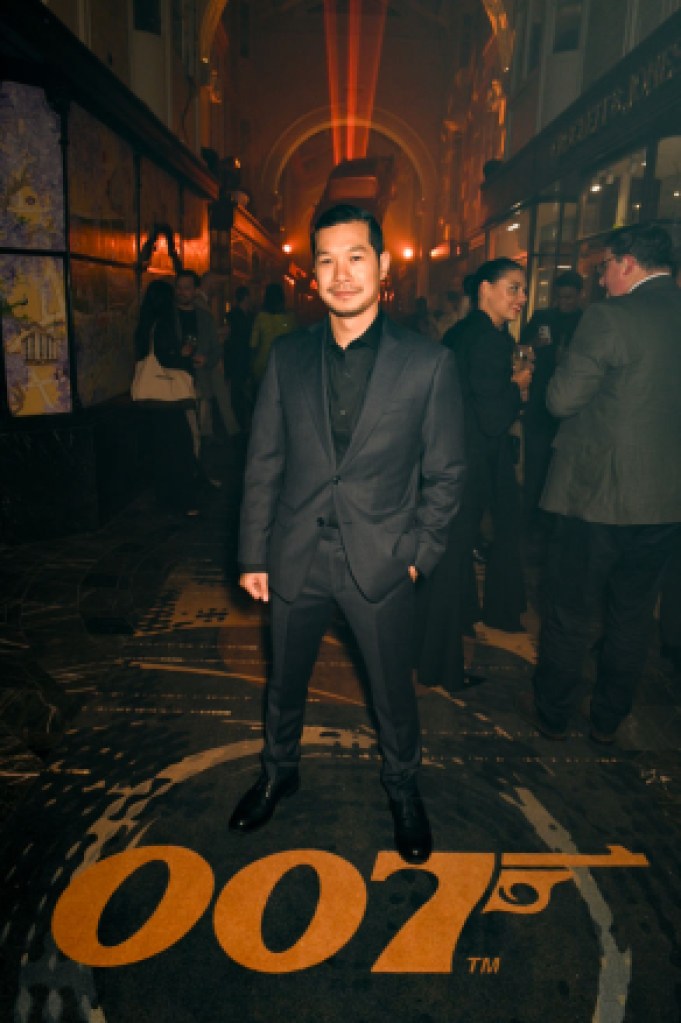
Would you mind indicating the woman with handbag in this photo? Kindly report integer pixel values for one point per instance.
(163, 386)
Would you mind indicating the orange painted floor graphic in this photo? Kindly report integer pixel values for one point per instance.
(553, 892)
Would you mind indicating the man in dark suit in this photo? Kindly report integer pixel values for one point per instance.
(614, 482)
(355, 468)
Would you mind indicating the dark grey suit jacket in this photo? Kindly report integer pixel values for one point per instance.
(398, 485)
(617, 454)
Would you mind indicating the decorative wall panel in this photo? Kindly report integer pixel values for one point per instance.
(34, 334)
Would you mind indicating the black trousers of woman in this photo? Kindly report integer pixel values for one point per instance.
(504, 598)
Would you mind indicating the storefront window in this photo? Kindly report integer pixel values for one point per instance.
(668, 178)
(548, 223)
(510, 239)
(614, 196)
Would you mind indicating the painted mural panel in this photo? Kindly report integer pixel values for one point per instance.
(196, 233)
(101, 190)
(32, 307)
(104, 302)
(159, 208)
(31, 177)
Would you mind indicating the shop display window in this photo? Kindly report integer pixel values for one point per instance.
(668, 178)
(614, 196)
(510, 239)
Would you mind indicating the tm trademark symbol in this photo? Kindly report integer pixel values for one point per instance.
(484, 964)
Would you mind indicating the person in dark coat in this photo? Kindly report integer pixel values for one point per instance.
(237, 354)
(493, 393)
(614, 485)
(355, 468)
(173, 463)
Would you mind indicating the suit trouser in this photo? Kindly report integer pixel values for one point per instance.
(616, 570)
(383, 632)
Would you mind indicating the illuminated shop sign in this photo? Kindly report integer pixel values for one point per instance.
(640, 85)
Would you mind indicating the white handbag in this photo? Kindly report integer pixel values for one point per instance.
(154, 384)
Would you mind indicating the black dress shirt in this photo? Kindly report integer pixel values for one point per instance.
(348, 371)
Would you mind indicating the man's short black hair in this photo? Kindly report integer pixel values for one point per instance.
(569, 279)
(344, 213)
(649, 244)
(241, 293)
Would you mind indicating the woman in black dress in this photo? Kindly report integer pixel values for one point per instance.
(174, 467)
(492, 393)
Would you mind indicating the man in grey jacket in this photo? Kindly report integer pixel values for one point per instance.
(614, 483)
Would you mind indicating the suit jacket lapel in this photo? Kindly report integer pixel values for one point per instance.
(313, 384)
(389, 364)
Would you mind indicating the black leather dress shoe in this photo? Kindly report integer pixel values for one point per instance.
(257, 806)
(413, 839)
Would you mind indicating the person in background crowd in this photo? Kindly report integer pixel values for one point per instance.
(172, 453)
(198, 329)
(273, 320)
(614, 485)
(452, 312)
(549, 332)
(355, 468)
(422, 320)
(493, 392)
(238, 354)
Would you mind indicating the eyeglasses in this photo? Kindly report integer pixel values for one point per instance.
(603, 266)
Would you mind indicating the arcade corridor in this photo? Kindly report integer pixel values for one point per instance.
(553, 892)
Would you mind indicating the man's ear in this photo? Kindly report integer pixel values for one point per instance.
(384, 264)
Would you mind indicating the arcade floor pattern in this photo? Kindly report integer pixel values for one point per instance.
(554, 892)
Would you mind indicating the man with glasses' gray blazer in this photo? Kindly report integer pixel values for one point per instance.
(614, 483)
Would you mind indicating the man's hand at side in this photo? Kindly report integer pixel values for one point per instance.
(256, 584)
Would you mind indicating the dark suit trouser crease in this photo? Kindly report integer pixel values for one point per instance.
(616, 570)
(383, 632)
(441, 607)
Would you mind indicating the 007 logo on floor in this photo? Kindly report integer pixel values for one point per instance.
(426, 943)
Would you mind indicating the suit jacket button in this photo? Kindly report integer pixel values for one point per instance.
(336, 480)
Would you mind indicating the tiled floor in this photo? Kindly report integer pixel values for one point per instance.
(557, 894)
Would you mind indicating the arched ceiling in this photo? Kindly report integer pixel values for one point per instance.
(319, 120)
(437, 11)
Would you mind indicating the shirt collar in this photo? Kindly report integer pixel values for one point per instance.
(650, 277)
(371, 337)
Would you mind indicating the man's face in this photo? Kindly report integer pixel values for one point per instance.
(348, 270)
(185, 292)
(613, 274)
(567, 300)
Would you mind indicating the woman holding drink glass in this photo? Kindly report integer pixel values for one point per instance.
(494, 385)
